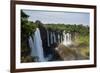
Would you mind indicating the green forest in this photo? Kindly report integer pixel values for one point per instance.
(28, 27)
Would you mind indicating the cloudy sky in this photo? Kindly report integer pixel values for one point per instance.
(58, 17)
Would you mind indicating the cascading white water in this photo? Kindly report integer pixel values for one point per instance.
(67, 39)
(36, 47)
(68, 35)
(48, 38)
(54, 37)
(33, 50)
(58, 38)
(51, 38)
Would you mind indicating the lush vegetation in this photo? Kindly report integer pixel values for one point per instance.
(28, 27)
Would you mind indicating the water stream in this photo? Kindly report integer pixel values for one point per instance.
(36, 46)
(67, 39)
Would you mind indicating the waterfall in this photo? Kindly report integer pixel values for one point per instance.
(36, 47)
(31, 45)
(51, 38)
(67, 39)
(58, 38)
(48, 38)
(54, 37)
